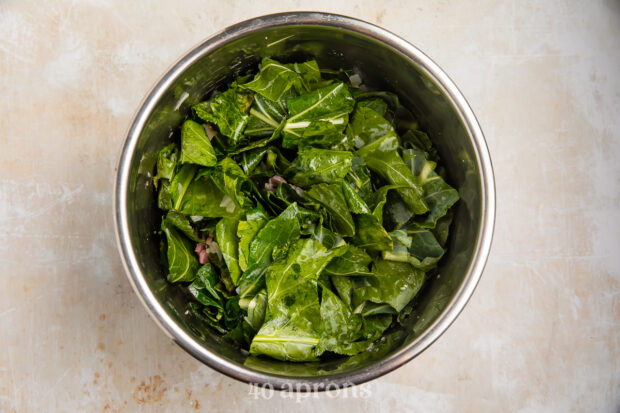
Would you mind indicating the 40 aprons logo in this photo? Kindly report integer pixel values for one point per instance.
(304, 391)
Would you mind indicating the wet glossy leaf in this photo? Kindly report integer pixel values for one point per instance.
(370, 234)
(377, 104)
(367, 126)
(164, 201)
(442, 228)
(389, 208)
(252, 281)
(195, 145)
(330, 196)
(250, 159)
(354, 262)
(354, 201)
(204, 198)
(179, 221)
(359, 179)
(203, 287)
(318, 117)
(273, 80)
(226, 235)
(340, 326)
(182, 262)
(417, 246)
(393, 283)
(256, 310)
(228, 111)
(265, 117)
(382, 157)
(231, 180)
(167, 159)
(276, 232)
(292, 327)
(346, 285)
(438, 195)
(255, 219)
(315, 166)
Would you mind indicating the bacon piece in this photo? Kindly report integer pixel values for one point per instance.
(273, 182)
(199, 247)
(203, 257)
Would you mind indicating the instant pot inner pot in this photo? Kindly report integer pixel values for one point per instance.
(381, 68)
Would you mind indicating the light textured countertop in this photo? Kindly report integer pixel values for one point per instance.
(541, 332)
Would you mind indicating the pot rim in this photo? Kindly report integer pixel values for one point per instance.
(318, 383)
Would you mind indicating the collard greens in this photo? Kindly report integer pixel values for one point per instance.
(302, 215)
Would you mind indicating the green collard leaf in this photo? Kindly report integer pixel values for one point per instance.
(275, 233)
(368, 308)
(164, 200)
(331, 198)
(388, 206)
(438, 195)
(273, 80)
(421, 141)
(292, 327)
(318, 117)
(249, 160)
(377, 104)
(256, 310)
(340, 326)
(179, 221)
(203, 288)
(325, 236)
(354, 201)
(195, 145)
(390, 99)
(275, 161)
(285, 195)
(255, 219)
(204, 198)
(315, 166)
(167, 159)
(233, 315)
(180, 184)
(359, 179)
(346, 332)
(265, 117)
(370, 234)
(382, 157)
(252, 281)
(231, 180)
(226, 235)
(346, 285)
(397, 114)
(375, 324)
(228, 111)
(417, 246)
(423, 243)
(367, 126)
(310, 75)
(354, 262)
(201, 313)
(261, 143)
(241, 334)
(442, 228)
(182, 262)
(394, 283)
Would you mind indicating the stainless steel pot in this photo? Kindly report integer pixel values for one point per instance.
(385, 62)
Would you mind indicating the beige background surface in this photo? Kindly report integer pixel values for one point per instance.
(541, 333)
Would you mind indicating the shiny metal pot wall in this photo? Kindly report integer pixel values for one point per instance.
(385, 62)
